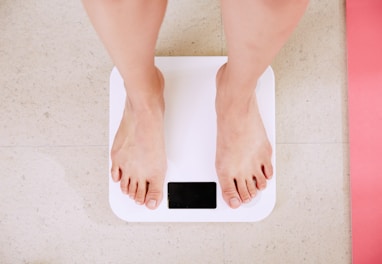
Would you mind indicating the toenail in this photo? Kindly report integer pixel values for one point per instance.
(151, 204)
(234, 202)
(138, 202)
(247, 200)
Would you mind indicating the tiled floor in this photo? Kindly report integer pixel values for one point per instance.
(54, 135)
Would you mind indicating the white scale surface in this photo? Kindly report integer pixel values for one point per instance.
(190, 124)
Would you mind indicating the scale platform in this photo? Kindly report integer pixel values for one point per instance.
(191, 191)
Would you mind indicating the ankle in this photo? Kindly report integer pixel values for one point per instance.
(234, 97)
(232, 110)
(235, 85)
(149, 104)
(145, 91)
(243, 72)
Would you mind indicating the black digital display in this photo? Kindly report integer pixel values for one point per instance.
(192, 195)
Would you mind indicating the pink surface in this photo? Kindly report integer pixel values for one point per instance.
(364, 39)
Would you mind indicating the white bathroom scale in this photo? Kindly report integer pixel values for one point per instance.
(191, 192)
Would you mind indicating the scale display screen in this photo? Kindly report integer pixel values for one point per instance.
(192, 195)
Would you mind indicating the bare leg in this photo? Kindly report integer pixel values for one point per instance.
(129, 30)
(255, 30)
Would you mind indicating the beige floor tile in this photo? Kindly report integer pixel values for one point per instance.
(54, 93)
(58, 210)
(54, 209)
(311, 221)
(191, 28)
(53, 84)
(311, 78)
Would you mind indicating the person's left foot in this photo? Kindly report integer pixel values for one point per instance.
(243, 151)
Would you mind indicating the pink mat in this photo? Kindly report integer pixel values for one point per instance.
(364, 39)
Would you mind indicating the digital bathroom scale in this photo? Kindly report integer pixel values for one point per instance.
(191, 192)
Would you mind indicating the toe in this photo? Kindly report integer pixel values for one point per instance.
(243, 190)
(133, 185)
(268, 170)
(125, 185)
(141, 192)
(230, 194)
(261, 181)
(154, 193)
(115, 173)
(251, 186)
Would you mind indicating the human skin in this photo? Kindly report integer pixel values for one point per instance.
(255, 32)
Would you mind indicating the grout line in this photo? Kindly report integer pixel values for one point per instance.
(99, 146)
(52, 146)
(311, 143)
(221, 33)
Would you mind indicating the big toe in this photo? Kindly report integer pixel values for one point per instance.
(230, 194)
(115, 173)
(268, 170)
(154, 194)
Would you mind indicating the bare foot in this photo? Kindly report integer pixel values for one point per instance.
(138, 152)
(243, 153)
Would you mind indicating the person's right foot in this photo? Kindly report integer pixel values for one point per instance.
(138, 152)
